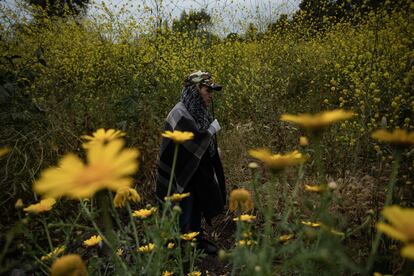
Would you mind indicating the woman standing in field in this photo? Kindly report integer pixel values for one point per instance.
(198, 168)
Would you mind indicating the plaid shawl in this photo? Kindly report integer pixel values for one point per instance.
(189, 153)
(196, 171)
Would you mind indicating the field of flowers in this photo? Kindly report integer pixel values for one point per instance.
(317, 146)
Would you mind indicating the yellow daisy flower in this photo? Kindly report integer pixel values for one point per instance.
(69, 265)
(167, 273)
(170, 245)
(314, 188)
(19, 204)
(177, 197)
(189, 236)
(43, 206)
(119, 252)
(277, 161)
(109, 166)
(240, 198)
(245, 217)
(318, 120)
(54, 253)
(124, 194)
(144, 213)
(303, 141)
(287, 237)
(146, 248)
(102, 136)
(396, 137)
(194, 273)
(401, 227)
(244, 242)
(4, 151)
(311, 224)
(177, 136)
(92, 241)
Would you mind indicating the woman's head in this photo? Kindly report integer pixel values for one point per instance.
(204, 84)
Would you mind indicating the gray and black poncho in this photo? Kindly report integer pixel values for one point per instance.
(197, 169)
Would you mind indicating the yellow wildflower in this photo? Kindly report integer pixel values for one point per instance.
(124, 194)
(167, 273)
(54, 253)
(240, 198)
(4, 151)
(119, 252)
(244, 242)
(318, 120)
(146, 248)
(314, 188)
(189, 236)
(287, 237)
(194, 273)
(69, 265)
(19, 204)
(401, 227)
(144, 213)
(177, 197)
(43, 206)
(177, 136)
(109, 166)
(277, 161)
(102, 136)
(311, 224)
(303, 141)
(170, 245)
(245, 217)
(92, 241)
(396, 137)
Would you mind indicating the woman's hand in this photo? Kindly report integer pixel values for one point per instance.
(214, 127)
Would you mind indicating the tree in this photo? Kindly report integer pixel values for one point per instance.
(194, 21)
(61, 7)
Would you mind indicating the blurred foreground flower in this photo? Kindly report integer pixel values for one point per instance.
(189, 236)
(318, 120)
(177, 136)
(167, 273)
(240, 198)
(124, 194)
(194, 273)
(109, 166)
(245, 217)
(401, 227)
(177, 197)
(54, 253)
(170, 245)
(102, 136)
(92, 241)
(43, 206)
(277, 161)
(399, 137)
(144, 213)
(146, 248)
(69, 265)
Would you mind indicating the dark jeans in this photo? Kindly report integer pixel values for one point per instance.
(190, 218)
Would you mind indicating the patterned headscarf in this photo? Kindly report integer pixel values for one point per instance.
(194, 103)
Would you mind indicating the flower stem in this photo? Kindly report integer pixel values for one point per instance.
(49, 240)
(173, 169)
(388, 201)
